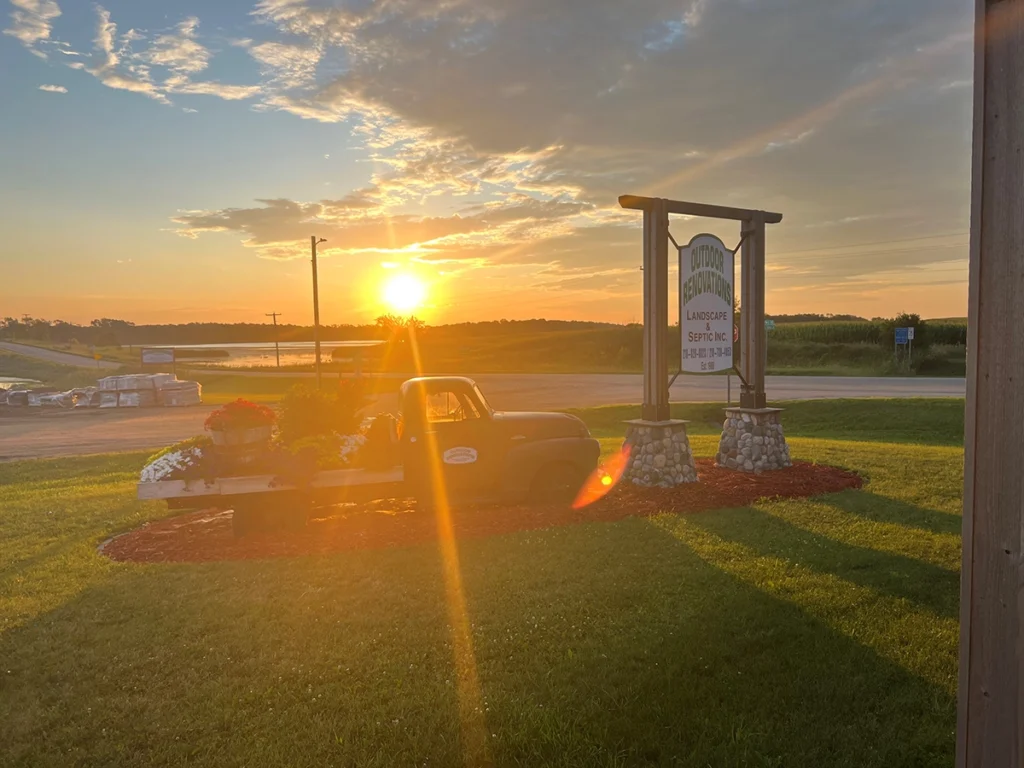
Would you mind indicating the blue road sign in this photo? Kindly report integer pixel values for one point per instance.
(902, 335)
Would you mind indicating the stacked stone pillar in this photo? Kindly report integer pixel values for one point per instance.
(660, 455)
(753, 441)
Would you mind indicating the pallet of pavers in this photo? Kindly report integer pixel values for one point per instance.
(145, 390)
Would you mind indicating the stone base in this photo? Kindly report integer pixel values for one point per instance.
(659, 455)
(752, 440)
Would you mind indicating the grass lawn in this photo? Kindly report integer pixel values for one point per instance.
(792, 633)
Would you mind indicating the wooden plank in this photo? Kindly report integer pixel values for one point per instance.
(990, 726)
(176, 489)
(233, 486)
(640, 203)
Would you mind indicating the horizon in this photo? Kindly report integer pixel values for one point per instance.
(170, 167)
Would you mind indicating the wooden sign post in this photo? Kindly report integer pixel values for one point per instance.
(752, 262)
(644, 437)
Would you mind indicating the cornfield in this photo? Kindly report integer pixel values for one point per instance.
(853, 332)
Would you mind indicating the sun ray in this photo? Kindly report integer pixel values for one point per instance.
(471, 712)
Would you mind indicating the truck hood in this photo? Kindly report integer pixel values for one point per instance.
(526, 425)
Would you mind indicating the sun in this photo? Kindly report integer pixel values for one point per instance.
(404, 293)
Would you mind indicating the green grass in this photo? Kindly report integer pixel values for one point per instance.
(938, 421)
(53, 374)
(791, 633)
(124, 355)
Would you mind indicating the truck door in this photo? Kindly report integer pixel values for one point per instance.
(454, 441)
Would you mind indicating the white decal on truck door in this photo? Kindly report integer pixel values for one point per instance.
(460, 455)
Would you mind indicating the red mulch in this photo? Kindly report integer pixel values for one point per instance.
(206, 536)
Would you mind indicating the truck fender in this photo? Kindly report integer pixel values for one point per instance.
(523, 462)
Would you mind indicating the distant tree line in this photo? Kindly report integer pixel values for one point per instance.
(816, 318)
(107, 332)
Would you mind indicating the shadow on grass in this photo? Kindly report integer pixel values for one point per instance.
(927, 585)
(602, 644)
(883, 509)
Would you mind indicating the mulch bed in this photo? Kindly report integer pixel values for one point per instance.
(207, 536)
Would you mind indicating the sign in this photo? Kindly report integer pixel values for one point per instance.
(736, 333)
(706, 271)
(910, 333)
(769, 325)
(902, 335)
(157, 356)
(97, 358)
(460, 455)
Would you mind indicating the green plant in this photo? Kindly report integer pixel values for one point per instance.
(241, 414)
(307, 412)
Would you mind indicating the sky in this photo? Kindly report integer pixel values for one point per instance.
(167, 161)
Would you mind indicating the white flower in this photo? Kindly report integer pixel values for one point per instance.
(175, 461)
(349, 446)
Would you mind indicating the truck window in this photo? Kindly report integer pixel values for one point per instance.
(449, 407)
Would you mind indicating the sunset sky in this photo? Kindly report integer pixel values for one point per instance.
(167, 161)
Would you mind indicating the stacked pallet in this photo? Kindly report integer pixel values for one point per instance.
(145, 390)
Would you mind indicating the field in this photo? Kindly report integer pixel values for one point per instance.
(815, 632)
(828, 347)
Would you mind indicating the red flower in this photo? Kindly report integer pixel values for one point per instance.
(240, 414)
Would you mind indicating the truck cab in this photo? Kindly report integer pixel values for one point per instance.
(452, 440)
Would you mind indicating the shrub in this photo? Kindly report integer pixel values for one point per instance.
(241, 414)
(307, 412)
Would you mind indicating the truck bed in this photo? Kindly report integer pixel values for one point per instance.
(237, 486)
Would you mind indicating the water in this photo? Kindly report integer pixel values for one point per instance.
(261, 354)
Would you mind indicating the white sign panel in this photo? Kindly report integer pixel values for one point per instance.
(910, 333)
(460, 455)
(706, 304)
(157, 356)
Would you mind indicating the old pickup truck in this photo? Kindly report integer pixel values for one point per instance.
(446, 431)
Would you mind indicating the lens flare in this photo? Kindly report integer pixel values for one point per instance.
(603, 479)
(471, 709)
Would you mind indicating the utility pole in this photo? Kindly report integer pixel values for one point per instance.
(277, 345)
(313, 243)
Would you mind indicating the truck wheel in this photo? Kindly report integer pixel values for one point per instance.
(558, 483)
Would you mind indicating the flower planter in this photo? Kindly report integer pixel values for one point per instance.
(236, 437)
(242, 446)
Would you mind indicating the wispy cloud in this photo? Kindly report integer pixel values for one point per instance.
(107, 57)
(32, 20)
(179, 51)
(178, 54)
(53, 88)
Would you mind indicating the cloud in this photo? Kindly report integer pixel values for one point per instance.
(179, 51)
(53, 88)
(223, 90)
(31, 20)
(117, 65)
(279, 227)
(107, 58)
(189, 110)
(287, 65)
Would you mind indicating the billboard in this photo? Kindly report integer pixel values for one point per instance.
(706, 304)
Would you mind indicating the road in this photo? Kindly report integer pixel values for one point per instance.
(66, 434)
(53, 356)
